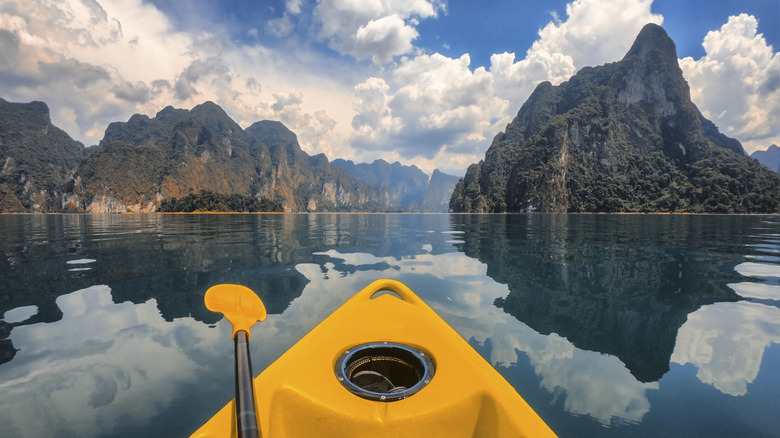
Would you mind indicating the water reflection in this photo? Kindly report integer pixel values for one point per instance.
(726, 342)
(621, 285)
(591, 309)
(176, 258)
(20, 314)
(80, 375)
(169, 257)
(118, 368)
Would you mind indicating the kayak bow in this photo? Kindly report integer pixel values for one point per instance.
(383, 365)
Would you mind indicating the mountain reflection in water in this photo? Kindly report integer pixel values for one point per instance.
(650, 325)
(617, 285)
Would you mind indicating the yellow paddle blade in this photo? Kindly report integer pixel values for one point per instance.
(240, 305)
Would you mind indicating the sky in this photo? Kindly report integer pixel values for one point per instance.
(423, 82)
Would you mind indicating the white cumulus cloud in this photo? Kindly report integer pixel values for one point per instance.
(374, 117)
(294, 6)
(376, 29)
(384, 38)
(596, 31)
(437, 109)
(430, 105)
(737, 83)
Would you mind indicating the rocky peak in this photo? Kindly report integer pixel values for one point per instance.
(653, 44)
(282, 143)
(437, 193)
(35, 114)
(183, 152)
(36, 158)
(272, 132)
(211, 112)
(170, 114)
(653, 75)
(408, 187)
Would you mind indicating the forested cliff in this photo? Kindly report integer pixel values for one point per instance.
(37, 159)
(178, 153)
(620, 137)
(190, 160)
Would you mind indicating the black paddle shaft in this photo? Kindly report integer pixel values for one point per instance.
(246, 415)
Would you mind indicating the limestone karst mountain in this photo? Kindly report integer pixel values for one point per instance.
(619, 137)
(37, 159)
(193, 159)
(143, 161)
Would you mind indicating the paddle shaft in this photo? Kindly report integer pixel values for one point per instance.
(246, 415)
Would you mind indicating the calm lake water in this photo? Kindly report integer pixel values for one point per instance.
(608, 325)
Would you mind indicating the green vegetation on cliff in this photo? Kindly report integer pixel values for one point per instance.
(9, 203)
(207, 201)
(131, 173)
(36, 158)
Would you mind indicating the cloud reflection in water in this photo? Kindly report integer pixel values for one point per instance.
(78, 375)
(726, 341)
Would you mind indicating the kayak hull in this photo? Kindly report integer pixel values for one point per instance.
(300, 394)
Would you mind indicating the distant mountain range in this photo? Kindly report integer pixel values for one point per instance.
(194, 153)
(407, 186)
(769, 158)
(620, 137)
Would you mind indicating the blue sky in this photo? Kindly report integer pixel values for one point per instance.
(425, 82)
(482, 28)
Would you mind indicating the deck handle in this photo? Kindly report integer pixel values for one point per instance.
(388, 285)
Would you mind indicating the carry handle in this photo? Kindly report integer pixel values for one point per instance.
(394, 286)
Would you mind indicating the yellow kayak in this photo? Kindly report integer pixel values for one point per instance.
(384, 364)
